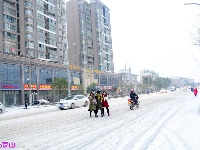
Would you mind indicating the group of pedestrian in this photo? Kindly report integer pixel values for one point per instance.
(98, 102)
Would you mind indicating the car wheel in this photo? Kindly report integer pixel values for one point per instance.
(1, 111)
(86, 104)
(72, 106)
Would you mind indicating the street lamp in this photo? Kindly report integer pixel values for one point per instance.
(68, 73)
(33, 94)
(126, 77)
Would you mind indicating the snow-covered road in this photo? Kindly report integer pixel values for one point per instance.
(165, 121)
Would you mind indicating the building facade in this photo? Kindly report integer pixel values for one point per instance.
(30, 30)
(148, 73)
(34, 28)
(102, 39)
(89, 27)
(79, 28)
(34, 49)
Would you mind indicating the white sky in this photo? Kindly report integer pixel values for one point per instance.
(155, 35)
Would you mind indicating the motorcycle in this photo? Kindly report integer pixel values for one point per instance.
(132, 104)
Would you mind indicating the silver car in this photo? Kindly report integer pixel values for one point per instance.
(73, 101)
(2, 108)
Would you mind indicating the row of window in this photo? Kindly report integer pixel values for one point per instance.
(10, 27)
(9, 4)
(10, 35)
(9, 19)
(9, 10)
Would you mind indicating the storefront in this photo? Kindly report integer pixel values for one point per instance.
(10, 94)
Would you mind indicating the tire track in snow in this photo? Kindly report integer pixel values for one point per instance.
(144, 142)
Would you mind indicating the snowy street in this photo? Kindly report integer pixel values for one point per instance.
(166, 121)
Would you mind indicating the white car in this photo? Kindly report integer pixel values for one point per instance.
(44, 102)
(73, 101)
(163, 91)
(2, 108)
(173, 88)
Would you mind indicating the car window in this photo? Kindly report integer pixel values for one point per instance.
(80, 97)
(69, 98)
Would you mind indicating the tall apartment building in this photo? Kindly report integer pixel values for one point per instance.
(89, 27)
(102, 40)
(33, 39)
(79, 28)
(34, 28)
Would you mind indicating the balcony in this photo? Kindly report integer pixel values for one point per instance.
(91, 59)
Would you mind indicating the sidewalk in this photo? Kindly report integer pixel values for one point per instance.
(10, 112)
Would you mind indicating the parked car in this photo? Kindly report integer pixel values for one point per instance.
(44, 102)
(2, 108)
(173, 88)
(73, 101)
(36, 102)
(163, 91)
(41, 102)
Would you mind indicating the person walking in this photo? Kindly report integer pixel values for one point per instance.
(93, 103)
(195, 91)
(26, 104)
(105, 102)
(98, 98)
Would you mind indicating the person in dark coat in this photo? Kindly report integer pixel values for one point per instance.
(93, 103)
(26, 104)
(105, 102)
(98, 98)
(133, 97)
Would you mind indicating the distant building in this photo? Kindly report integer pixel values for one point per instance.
(148, 73)
(181, 81)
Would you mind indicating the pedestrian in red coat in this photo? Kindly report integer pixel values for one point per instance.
(105, 102)
(195, 91)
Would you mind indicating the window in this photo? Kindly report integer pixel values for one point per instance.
(10, 35)
(28, 12)
(29, 36)
(29, 28)
(10, 27)
(9, 19)
(29, 20)
(9, 10)
(29, 44)
(28, 4)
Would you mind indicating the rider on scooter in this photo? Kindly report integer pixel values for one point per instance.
(133, 96)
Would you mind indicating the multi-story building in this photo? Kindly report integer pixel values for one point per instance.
(35, 29)
(34, 48)
(148, 73)
(181, 81)
(33, 39)
(79, 27)
(89, 27)
(102, 40)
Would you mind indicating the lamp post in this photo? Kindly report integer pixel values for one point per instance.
(68, 71)
(29, 80)
(126, 76)
(33, 94)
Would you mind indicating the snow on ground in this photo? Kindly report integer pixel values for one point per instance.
(166, 121)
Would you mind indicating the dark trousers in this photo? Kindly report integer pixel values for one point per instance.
(135, 101)
(102, 110)
(96, 111)
(25, 106)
